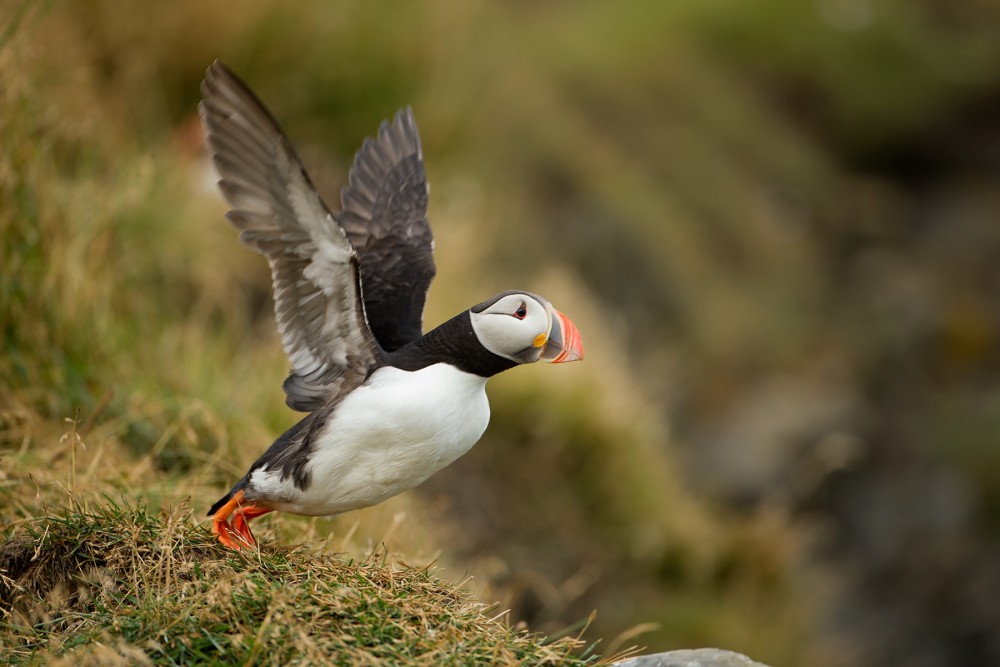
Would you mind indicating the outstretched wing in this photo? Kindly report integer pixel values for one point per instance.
(384, 209)
(318, 303)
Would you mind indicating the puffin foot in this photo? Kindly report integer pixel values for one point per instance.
(236, 535)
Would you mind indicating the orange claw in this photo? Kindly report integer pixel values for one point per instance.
(237, 535)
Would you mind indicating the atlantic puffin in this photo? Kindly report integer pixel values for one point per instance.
(388, 404)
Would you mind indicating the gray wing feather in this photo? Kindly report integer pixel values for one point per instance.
(383, 211)
(318, 302)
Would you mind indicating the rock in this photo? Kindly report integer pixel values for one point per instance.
(699, 657)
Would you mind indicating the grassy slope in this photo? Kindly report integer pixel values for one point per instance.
(121, 585)
(114, 583)
(88, 329)
(128, 309)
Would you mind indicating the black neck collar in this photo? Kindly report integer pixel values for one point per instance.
(454, 342)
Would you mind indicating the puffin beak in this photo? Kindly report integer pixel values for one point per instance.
(564, 342)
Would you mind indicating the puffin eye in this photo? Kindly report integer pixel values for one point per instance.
(521, 312)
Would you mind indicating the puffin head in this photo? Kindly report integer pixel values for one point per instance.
(525, 328)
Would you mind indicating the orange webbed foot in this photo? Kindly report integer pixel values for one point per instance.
(236, 535)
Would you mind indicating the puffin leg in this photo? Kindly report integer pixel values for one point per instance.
(237, 535)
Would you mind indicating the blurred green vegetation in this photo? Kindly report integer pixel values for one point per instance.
(774, 222)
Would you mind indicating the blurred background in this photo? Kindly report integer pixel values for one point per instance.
(777, 225)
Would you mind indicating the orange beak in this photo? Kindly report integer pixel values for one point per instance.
(564, 342)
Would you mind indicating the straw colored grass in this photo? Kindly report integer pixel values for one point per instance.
(123, 584)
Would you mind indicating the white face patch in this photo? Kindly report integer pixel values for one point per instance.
(515, 327)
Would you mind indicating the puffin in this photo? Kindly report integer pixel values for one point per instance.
(388, 405)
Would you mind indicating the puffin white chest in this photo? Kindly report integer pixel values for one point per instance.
(387, 436)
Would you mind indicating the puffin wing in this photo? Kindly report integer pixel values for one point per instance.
(384, 208)
(318, 302)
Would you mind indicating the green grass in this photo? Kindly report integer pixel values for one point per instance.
(124, 583)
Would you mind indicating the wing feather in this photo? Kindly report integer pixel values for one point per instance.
(383, 211)
(318, 300)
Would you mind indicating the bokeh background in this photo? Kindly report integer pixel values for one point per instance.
(777, 225)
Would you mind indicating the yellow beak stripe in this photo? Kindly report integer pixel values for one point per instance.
(540, 340)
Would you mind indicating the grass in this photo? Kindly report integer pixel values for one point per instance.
(602, 158)
(140, 360)
(122, 584)
(87, 577)
(127, 325)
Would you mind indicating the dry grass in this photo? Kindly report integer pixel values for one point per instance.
(124, 585)
(601, 158)
(87, 577)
